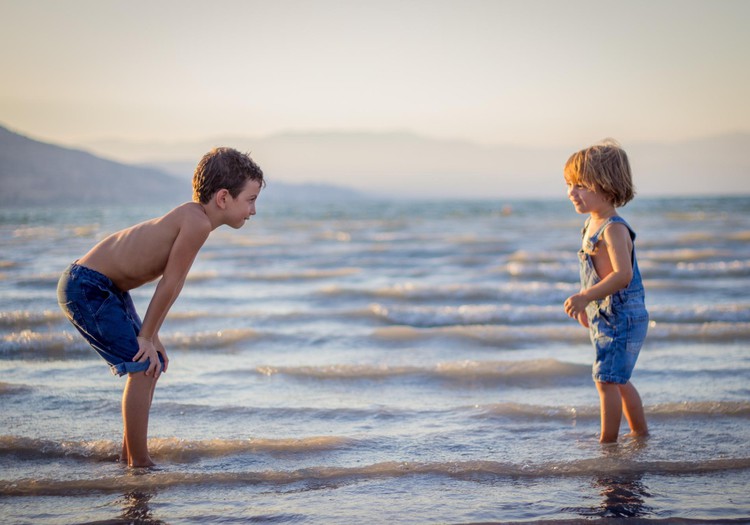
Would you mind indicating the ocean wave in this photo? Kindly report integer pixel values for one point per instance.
(683, 254)
(500, 335)
(485, 371)
(11, 388)
(49, 344)
(56, 344)
(299, 275)
(172, 450)
(470, 471)
(693, 270)
(712, 331)
(701, 313)
(295, 413)
(495, 335)
(481, 314)
(661, 410)
(701, 408)
(550, 271)
(45, 281)
(26, 319)
(517, 292)
(427, 316)
(208, 340)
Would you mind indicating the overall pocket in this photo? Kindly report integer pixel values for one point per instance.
(637, 330)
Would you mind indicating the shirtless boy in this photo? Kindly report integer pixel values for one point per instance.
(93, 291)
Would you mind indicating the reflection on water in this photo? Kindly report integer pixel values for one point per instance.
(620, 494)
(135, 508)
(622, 497)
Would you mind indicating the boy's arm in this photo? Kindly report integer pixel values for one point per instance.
(617, 241)
(189, 240)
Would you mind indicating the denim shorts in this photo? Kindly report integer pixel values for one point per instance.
(104, 315)
(617, 331)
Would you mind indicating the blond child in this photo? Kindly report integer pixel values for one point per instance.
(93, 291)
(611, 301)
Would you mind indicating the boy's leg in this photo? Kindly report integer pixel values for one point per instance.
(124, 455)
(633, 408)
(136, 403)
(610, 408)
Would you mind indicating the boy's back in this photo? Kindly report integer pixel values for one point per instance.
(141, 253)
(93, 292)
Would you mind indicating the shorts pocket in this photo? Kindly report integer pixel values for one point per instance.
(98, 299)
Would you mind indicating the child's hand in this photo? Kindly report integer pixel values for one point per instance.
(146, 350)
(575, 305)
(163, 351)
(583, 319)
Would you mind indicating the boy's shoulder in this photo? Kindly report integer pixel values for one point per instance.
(190, 212)
(188, 219)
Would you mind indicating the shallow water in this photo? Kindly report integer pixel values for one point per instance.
(403, 362)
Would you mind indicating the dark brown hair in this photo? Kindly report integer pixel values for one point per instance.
(224, 168)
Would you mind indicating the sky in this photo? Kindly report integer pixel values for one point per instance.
(501, 90)
(522, 73)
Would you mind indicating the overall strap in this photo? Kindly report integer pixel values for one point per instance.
(595, 238)
(585, 227)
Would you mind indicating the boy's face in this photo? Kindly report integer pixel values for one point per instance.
(242, 207)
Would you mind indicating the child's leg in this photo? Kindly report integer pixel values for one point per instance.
(610, 408)
(633, 408)
(124, 455)
(136, 403)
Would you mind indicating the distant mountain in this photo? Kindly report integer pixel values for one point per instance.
(39, 173)
(403, 164)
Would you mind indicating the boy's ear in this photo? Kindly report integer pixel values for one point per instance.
(221, 197)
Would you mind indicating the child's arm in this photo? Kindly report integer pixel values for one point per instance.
(188, 242)
(617, 241)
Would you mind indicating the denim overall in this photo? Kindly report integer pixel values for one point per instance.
(619, 322)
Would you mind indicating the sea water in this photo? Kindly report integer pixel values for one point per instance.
(384, 362)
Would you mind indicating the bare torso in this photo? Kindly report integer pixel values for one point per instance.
(137, 255)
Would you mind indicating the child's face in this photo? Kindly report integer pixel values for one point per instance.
(586, 200)
(242, 207)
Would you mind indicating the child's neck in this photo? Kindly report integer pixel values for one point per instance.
(603, 214)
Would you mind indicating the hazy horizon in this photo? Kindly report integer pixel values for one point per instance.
(479, 76)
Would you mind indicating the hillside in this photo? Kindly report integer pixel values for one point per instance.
(37, 173)
(408, 165)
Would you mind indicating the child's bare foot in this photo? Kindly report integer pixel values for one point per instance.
(145, 463)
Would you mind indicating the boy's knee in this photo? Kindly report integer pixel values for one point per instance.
(142, 378)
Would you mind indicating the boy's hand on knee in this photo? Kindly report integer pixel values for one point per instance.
(163, 351)
(147, 350)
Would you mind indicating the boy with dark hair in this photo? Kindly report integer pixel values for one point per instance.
(93, 291)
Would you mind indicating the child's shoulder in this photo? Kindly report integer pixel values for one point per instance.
(188, 212)
(617, 222)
